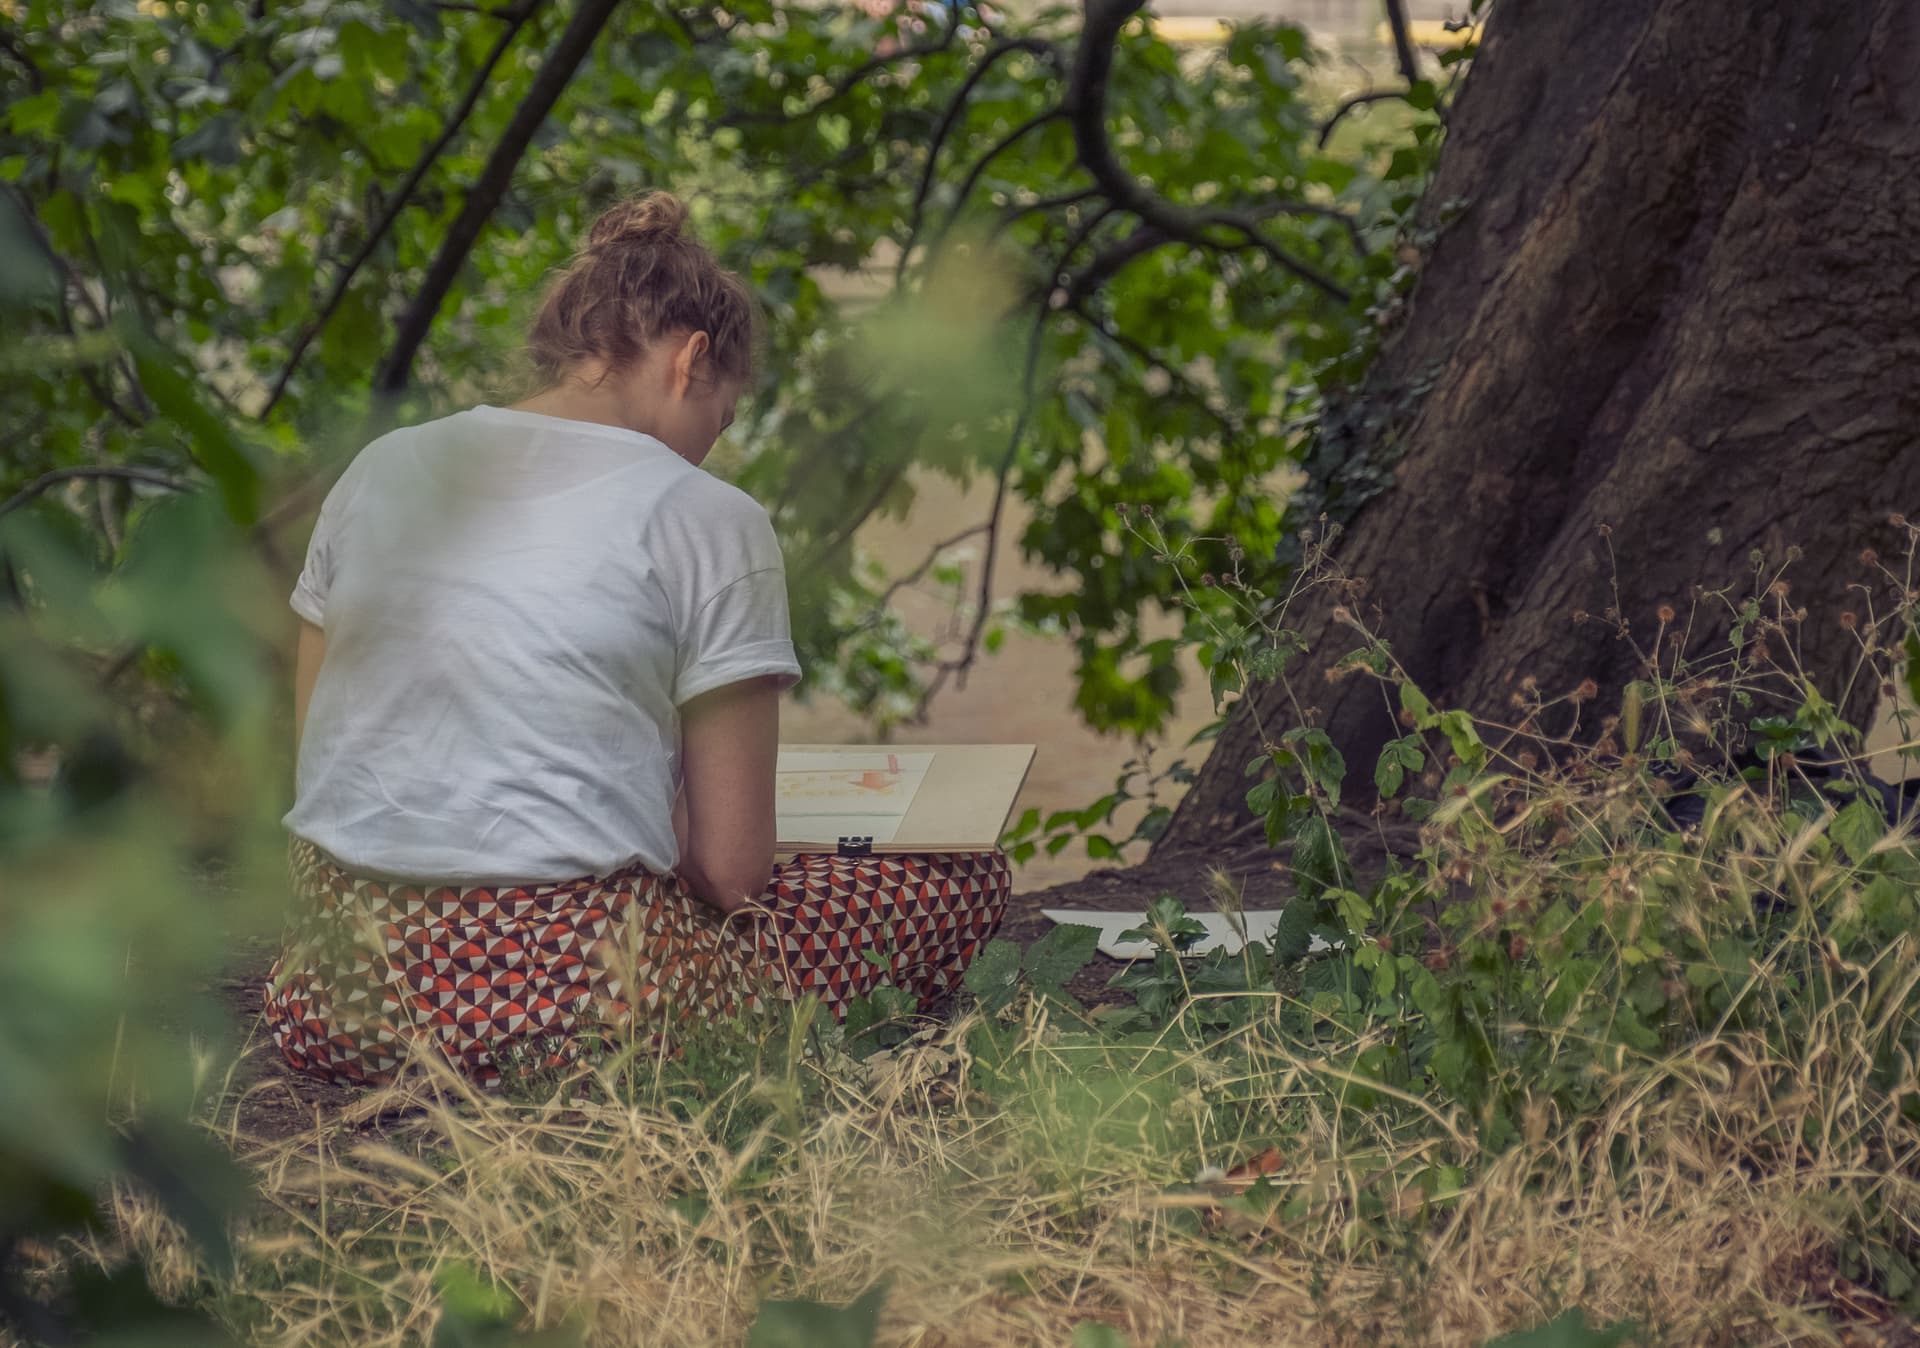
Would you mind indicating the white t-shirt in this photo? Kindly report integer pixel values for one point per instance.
(516, 606)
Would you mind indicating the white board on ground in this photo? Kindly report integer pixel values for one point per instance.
(1225, 931)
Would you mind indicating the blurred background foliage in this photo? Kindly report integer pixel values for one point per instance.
(236, 239)
(298, 221)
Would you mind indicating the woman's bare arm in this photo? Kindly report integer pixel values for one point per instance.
(308, 654)
(730, 740)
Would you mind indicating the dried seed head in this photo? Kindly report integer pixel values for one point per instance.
(1605, 530)
(1667, 614)
(1780, 589)
(1849, 621)
(1868, 557)
(1587, 691)
(1897, 520)
(1206, 578)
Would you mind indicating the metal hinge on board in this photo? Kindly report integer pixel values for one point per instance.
(856, 847)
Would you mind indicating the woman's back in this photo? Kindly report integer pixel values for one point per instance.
(515, 606)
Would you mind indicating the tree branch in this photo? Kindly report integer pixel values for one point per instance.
(1403, 41)
(11, 44)
(1348, 104)
(1052, 203)
(1045, 117)
(900, 583)
(152, 477)
(516, 18)
(1111, 261)
(1195, 394)
(847, 83)
(949, 120)
(1086, 107)
(556, 72)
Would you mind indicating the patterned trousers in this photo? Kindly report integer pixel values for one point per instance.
(371, 967)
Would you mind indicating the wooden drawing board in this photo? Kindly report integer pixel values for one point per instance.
(905, 797)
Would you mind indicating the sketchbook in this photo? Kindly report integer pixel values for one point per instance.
(860, 799)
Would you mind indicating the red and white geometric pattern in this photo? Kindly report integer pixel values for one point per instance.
(370, 966)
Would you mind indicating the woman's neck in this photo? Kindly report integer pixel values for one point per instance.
(604, 403)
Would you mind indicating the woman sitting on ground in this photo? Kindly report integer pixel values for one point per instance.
(540, 659)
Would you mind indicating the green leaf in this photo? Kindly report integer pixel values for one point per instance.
(1415, 704)
(1459, 729)
(1060, 954)
(1857, 827)
(27, 274)
(994, 976)
(1318, 858)
(1912, 647)
(1569, 1330)
(213, 443)
(814, 1324)
(1293, 933)
(1322, 762)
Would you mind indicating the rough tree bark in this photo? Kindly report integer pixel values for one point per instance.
(1680, 302)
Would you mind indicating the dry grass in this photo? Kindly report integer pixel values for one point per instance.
(1014, 1217)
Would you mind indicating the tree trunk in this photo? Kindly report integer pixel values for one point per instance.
(1676, 319)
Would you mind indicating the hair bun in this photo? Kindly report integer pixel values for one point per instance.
(653, 217)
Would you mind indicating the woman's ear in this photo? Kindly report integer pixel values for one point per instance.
(686, 362)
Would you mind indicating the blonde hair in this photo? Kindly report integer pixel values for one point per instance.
(641, 277)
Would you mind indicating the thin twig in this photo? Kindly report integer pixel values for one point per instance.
(516, 18)
(1053, 203)
(555, 74)
(1087, 107)
(1351, 102)
(847, 83)
(948, 120)
(1046, 117)
(151, 477)
(927, 563)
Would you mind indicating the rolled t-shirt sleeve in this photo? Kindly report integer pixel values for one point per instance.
(740, 633)
(309, 598)
(731, 587)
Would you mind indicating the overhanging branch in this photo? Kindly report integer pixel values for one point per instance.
(515, 18)
(1086, 107)
(151, 477)
(556, 72)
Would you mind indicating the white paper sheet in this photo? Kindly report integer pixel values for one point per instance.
(823, 797)
(1229, 932)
